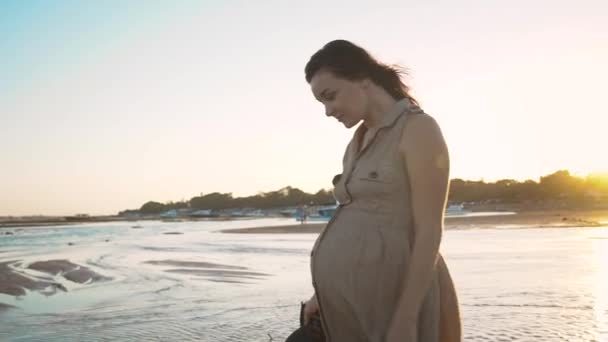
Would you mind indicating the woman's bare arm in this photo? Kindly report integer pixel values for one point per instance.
(427, 160)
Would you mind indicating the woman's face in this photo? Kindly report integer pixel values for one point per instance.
(345, 100)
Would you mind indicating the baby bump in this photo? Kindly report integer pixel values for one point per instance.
(355, 257)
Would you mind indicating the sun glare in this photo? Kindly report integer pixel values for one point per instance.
(600, 247)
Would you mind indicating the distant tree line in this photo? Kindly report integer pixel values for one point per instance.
(558, 185)
(285, 197)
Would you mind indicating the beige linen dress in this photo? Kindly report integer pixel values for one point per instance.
(360, 259)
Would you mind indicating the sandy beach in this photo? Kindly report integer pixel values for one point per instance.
(526, 219)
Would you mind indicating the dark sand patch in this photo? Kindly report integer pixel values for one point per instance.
(219, 273)
(307, 228)
(83, 275)
(70, 271)
(210, 271)
(53, 266)
(161, 249)
(14, 284)
(173, 233)
(220, 280)
(4, 307)
(193, 264)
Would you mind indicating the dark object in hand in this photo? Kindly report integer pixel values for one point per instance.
(311, 332)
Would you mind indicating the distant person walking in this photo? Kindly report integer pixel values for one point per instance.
(376, 268)
(302, 214)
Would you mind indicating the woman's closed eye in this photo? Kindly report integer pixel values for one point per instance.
(330, 96)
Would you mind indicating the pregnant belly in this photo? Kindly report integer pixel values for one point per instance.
(359, 248)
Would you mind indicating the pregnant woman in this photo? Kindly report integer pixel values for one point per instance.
(376, 268)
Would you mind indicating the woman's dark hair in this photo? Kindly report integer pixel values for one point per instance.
(349, 61)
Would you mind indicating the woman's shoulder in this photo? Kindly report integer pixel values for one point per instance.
(421, 129)
(419, 123)
(420, 118)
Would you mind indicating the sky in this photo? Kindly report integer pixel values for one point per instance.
(105, 105)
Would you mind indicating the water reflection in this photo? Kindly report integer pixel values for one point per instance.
(600, 265)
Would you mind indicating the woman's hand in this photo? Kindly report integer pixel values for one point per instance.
(311, 308)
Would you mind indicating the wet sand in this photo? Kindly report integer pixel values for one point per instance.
(526, 219)
(524, 284)
(307, 228)
(220, 273)
(15, 283)
(70, 271)
(29, 222)
(14, 280)
(193, 264)
(211, 271)
(4, 307)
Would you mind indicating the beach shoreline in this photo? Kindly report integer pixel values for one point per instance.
(525, 219)
(550, 218)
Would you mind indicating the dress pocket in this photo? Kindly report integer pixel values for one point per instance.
(383, 173)
(374, 183)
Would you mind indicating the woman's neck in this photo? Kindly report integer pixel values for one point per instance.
(380, 103)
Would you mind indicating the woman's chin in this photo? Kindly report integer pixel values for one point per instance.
(348, 124)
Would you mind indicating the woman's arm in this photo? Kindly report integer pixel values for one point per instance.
(427, 161)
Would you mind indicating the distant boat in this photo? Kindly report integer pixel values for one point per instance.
(246, 213)
(289, 213)
(169, 214)
(323, 213)
(255, 213)
(455, 210)
(204, 213)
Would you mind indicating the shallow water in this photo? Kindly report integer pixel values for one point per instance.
(514, 284)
